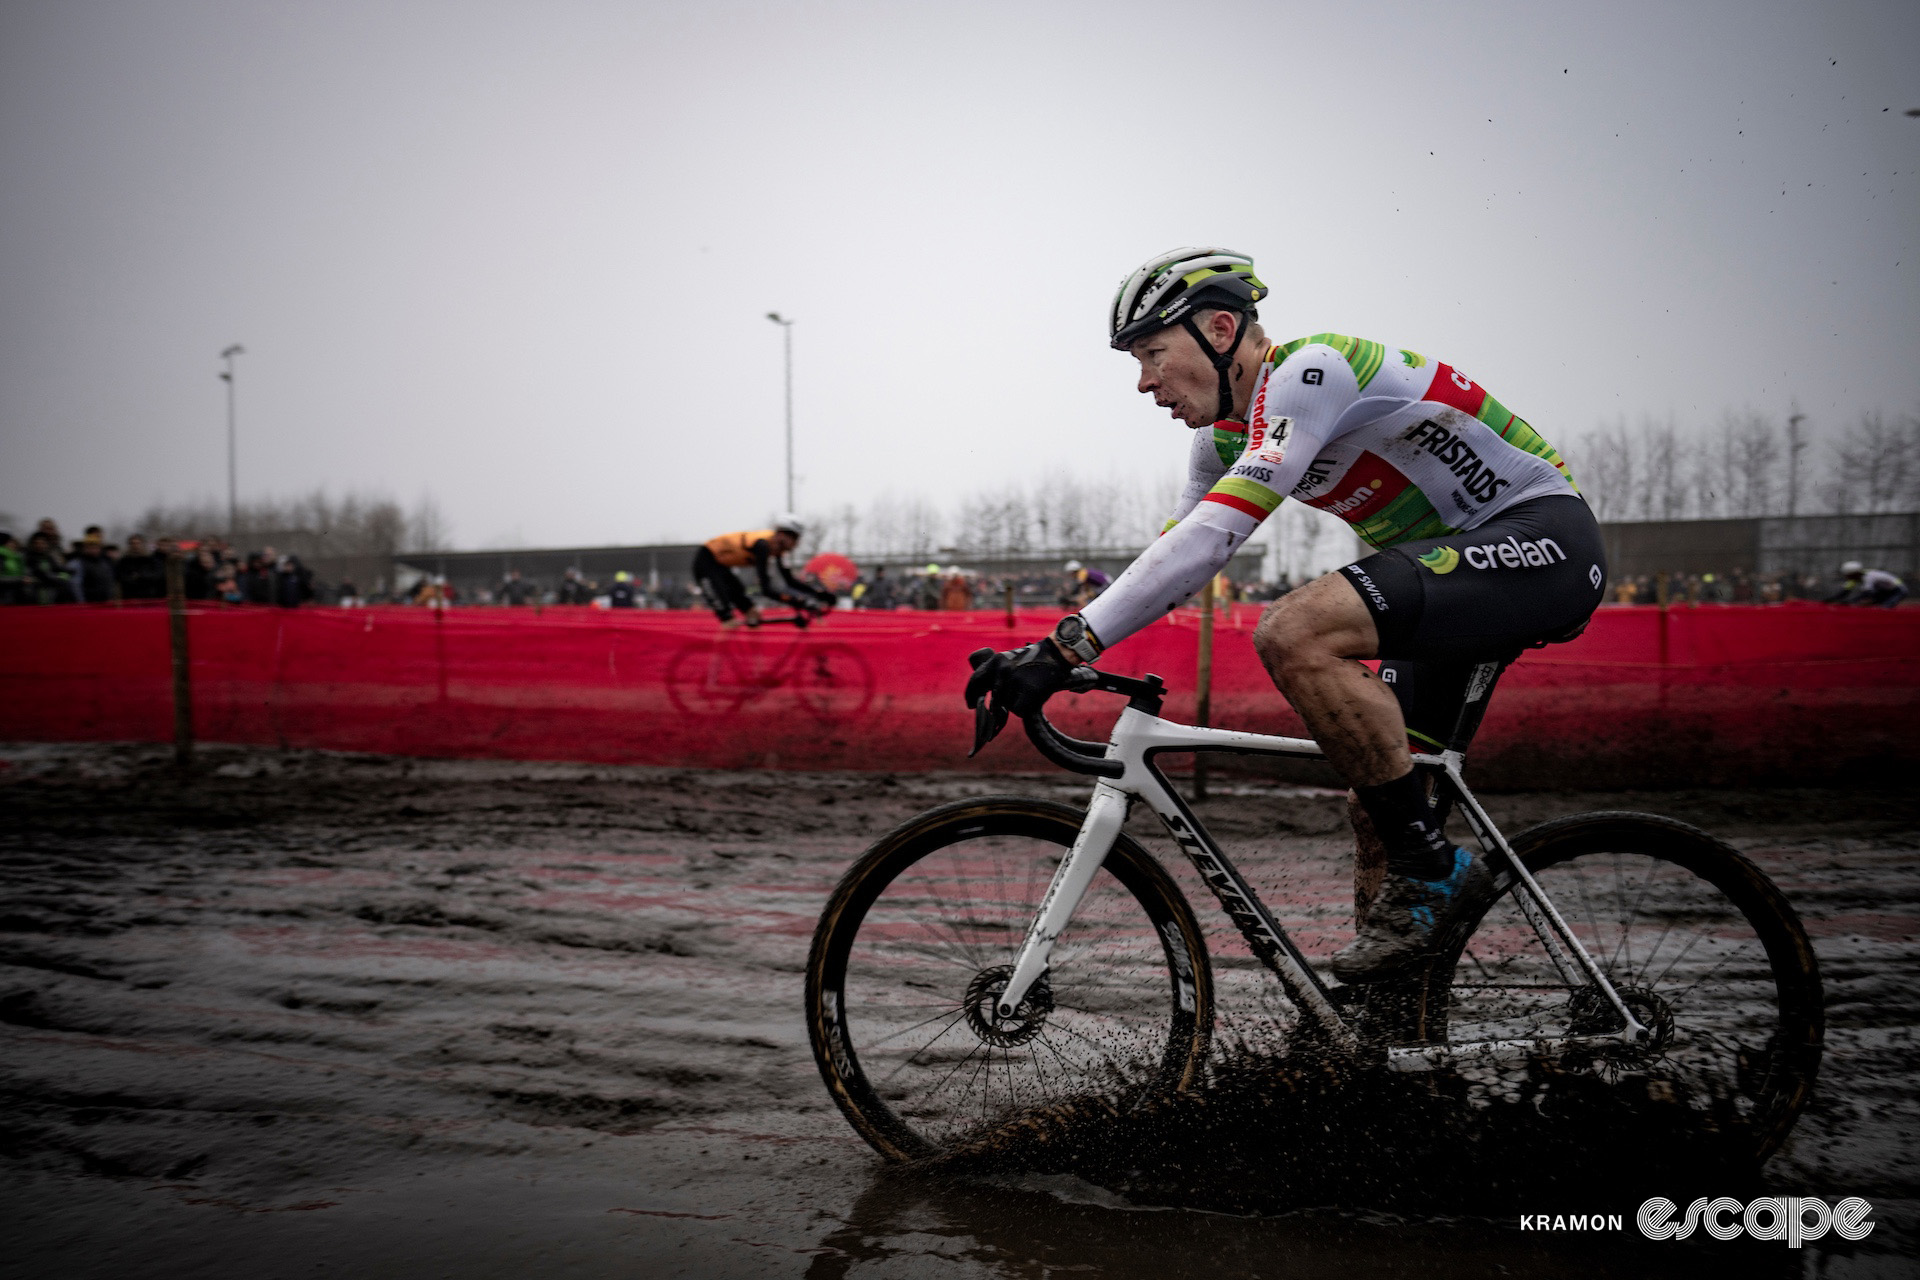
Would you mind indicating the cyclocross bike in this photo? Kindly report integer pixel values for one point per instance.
(1003, 953)
(721, 676)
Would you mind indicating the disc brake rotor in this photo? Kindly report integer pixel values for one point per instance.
(983, 998)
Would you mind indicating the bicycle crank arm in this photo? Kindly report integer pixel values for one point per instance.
(1106, 814)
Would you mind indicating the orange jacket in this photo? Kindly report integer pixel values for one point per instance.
(735, 550)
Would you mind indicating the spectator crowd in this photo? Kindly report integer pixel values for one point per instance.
(1735, 587)
(48, 569)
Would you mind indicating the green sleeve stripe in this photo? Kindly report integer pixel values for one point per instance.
(1390, 529)
(1249, 491)
(1365, 357)
(1496, 415)
(1516, 432)
(1409, 506)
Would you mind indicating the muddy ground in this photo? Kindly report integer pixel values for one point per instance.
(307, 1014)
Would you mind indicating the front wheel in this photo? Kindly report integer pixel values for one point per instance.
(1694, 938)
(919, 938)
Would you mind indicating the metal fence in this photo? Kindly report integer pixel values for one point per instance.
(1818, 544)
(1793, 545)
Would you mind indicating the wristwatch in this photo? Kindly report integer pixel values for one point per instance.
(1075, 637)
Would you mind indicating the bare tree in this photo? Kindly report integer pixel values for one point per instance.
(1662, 491)
(427, 528)
(1751, 451)
(1874, 469)
(1604, 461)
(1706, 479)
(356, 536)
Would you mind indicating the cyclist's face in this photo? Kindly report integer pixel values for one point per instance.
(1178, 376)
(784, 542)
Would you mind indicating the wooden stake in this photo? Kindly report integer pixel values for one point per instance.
(182, 668)
(1203, 686)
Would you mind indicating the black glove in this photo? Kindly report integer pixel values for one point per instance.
(1020, 680)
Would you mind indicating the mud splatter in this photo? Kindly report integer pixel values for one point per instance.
(1271, 1133)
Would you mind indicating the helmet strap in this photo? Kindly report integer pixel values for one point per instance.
(1222, 360)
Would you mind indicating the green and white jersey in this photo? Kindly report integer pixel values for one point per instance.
(1398, 446)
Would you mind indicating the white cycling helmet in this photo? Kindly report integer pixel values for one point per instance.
(1168, 289)
(787, 522)
(1852, 567)
(1071, 566)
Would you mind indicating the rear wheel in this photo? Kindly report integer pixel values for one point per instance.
(1697, 942)
(919, 938)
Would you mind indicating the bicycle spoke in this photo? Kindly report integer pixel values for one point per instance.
(923, 1048)
(1626, 927)
(1684, 953)
(1659, 942)
(1586, 905)
(1674, 1000)
(947, 1013)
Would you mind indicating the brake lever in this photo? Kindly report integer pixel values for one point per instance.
(988, 721)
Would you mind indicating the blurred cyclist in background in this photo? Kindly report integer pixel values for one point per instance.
(714, 565)
(1084, 582)
(1861, 585)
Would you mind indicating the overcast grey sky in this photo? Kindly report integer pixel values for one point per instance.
(519, 255)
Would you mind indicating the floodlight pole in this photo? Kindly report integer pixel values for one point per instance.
(786, 334)
(233, 448)
(1794, 445)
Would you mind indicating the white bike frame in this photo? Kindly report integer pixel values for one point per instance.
(1138, 736)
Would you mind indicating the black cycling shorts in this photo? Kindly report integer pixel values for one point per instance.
(1532, 574)
(1446, 607)
(721, 585)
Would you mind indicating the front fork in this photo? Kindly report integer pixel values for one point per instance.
(1106, 814)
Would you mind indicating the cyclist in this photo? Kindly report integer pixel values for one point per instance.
(1861, 585)
(714, 563)
(1083, 583)
(1483, 547)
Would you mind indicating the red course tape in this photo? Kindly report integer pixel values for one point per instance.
(1682, 695)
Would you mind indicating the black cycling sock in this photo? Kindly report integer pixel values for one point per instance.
(1416, 846)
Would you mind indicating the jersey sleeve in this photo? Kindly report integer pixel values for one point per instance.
(1297, 411)
(1204, 468)
(762, 553)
